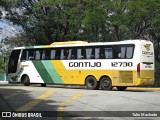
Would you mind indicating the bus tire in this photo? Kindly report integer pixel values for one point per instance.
(106, 83)
(91, 83)
(121, 88)
(26, 80)
(43, 84)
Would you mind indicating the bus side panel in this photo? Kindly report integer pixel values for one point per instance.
(47, 72)
(78, 70)
(65, 75)
(28, 68)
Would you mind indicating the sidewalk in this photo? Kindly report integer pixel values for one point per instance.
(4, 106)
(3, 82)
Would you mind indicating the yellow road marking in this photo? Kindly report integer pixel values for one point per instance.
(34, 102)
(61, 107)
(140, 88)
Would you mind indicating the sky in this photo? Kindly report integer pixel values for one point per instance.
(7, 29)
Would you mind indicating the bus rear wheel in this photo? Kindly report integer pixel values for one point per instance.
(106, 83)
(26, 80)
(91, 83)
(121, 88)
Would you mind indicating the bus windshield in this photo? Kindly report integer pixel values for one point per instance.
(13, 61)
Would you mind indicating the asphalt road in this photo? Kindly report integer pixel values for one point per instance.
(79, 103)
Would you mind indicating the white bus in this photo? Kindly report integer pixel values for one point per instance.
(96, 65)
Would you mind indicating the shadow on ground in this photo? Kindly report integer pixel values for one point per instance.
(12, 99)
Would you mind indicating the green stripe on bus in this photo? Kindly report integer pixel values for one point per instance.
(42, 71)
(52, 72)
(38, 46)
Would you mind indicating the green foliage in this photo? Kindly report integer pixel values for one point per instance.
(2, 65)
(46, 21)
(1, 14)
(157, 74)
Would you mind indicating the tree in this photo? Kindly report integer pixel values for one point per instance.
(46, 21)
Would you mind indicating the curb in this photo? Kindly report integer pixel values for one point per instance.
(143, 88)
(4, 82)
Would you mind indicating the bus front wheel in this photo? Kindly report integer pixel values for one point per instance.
(26, 80)
(106, 83)
(121, 88)
(91, 83)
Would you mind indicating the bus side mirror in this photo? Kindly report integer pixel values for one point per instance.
(4, 59)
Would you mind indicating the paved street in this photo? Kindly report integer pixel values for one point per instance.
(58, 101)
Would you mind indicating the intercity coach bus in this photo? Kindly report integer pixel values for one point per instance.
(96, 65)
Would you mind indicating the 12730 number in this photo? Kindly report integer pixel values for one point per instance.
(121, 64)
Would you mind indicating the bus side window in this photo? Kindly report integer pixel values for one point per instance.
(97, 53)
(129, 52)
(46, 54)
(58, 54)
(63, 54)
(74, 54)
(122, 53)
(102, 54)
(24, 55)
(108, 53)
(90, 53)
(37, 55)
(79, 56)
(81, 53)
(31, 54)
(116, 52)
(43, 54)
(69, 53)
(93, 53)
(53, 54)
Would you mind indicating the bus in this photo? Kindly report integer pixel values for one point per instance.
(97, 65)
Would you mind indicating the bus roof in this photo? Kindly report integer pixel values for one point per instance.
(69, 42)
(82, 43)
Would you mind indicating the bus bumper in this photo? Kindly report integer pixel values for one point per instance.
(144, 81)
(12, 78)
